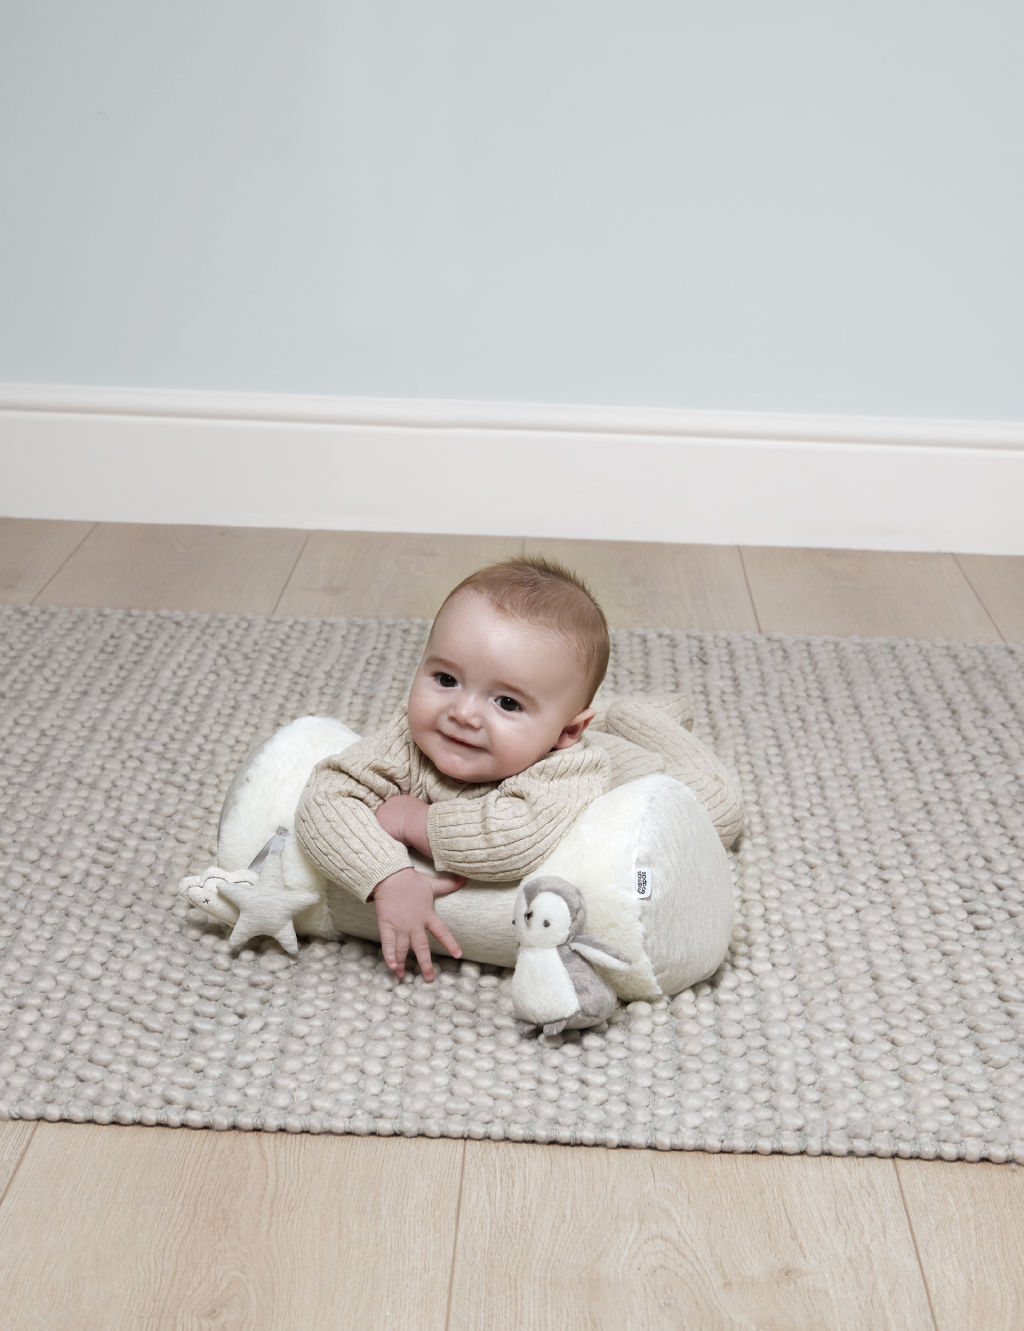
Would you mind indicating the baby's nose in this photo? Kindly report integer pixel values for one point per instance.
(465, 710)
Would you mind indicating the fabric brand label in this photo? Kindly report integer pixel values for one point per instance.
(644, 883)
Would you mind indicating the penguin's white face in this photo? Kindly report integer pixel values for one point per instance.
(545, 922)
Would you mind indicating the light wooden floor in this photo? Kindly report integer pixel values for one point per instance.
(107, 1227)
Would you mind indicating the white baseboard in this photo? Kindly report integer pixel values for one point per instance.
(614, 473)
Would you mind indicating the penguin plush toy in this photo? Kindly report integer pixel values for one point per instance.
(555, 988)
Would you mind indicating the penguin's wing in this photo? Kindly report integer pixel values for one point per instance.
(601, 954)
(595, 998)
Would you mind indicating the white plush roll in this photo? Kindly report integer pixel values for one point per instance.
(646, 856)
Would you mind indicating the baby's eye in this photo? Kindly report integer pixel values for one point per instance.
(508, 704)
(445, 680)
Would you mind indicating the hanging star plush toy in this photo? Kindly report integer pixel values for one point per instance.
(254, 901)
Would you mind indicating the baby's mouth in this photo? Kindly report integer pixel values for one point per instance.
(462, 743)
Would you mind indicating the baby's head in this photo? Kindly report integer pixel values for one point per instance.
(514, 658)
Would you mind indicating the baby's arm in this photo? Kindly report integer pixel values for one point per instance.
(335, 820)
(510, 831)
(405, 901)
(355, 824)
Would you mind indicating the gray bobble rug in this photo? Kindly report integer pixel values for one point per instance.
(872, 1002)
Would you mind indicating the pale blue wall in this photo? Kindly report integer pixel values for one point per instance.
(812, 206)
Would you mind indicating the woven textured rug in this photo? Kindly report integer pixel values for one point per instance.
(871, 1002)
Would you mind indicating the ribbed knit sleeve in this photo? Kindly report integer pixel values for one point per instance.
(508, 831)
(335, 821)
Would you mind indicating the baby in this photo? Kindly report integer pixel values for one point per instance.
(496, 753)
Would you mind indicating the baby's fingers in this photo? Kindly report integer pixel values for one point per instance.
(395, 947)
(444, 935)
(421, 947)
(443, 884)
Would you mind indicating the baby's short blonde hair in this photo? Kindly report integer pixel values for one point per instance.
(549, 596)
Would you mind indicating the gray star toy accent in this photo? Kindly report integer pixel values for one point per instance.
(265, 906)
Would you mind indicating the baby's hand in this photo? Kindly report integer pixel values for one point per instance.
(405, 915)
(404, 818)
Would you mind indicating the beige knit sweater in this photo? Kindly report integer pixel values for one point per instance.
(498, 832)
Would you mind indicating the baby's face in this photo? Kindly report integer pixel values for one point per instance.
(493, 694)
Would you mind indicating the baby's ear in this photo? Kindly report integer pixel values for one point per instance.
(574, 728)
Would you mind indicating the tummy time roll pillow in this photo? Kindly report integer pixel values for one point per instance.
(647, 858)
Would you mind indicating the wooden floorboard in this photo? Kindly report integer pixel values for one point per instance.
(14, 1140)
(111, 1227)
(640, 585)
(369, 574)
(869, 593)
(998, 582)
(590, 1238)
(32, 553)
(968, 1224)
(227, 1226)
(226, 569)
